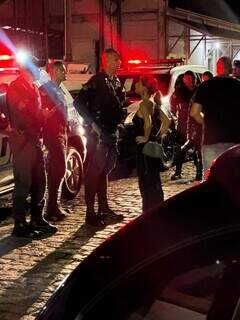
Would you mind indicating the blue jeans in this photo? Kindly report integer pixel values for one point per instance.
(212, 151)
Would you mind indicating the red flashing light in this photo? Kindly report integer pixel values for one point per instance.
(5, 57)
(137, 61)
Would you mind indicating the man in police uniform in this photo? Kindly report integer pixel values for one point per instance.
(55, 138)
(100, 104)
(26, 118)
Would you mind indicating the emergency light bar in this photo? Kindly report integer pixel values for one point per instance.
(156, 61)
(5, 57)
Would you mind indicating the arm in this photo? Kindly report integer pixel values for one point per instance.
(145, 112)
(196, 112)
(165, 123)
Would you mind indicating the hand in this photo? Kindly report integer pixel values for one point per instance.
(141, 139)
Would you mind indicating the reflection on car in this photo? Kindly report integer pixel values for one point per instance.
(179, 261)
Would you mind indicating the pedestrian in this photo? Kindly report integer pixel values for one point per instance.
(180, 106)
(206, 75)
(26, 118)
(236, 69)
(55, 138)
(149, 179)
(100, 103)
(216, 106)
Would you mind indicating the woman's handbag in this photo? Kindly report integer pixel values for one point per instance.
(153, 150)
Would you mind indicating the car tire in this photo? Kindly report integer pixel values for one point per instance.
(74, 174)
(169, 152)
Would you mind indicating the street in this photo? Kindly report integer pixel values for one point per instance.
(31, 271)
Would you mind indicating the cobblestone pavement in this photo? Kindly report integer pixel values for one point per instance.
(31, 271)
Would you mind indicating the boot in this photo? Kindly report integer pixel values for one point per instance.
(54, 211)
(22, 230)
(38, 222)
(199, 172)
(199, 165)
(94, 219)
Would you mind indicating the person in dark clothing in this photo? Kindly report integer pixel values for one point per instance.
(147, 167)
(206, 75)
(180, 106)
(100, 103)
(26, 118)
(55, 138)
(216, 106)
(236, 69)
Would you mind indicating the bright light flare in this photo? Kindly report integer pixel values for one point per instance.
(22, 57)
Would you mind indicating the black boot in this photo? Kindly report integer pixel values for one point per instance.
(199, 165)
(38, 222)
(93, 219)
(23, 230)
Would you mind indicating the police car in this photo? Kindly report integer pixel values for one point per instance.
(167, 72)
(76, 153)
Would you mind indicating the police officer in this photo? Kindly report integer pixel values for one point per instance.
(26, 118)
(100, 103)
(55, 138)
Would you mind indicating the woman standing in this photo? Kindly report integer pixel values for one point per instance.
(149, 113)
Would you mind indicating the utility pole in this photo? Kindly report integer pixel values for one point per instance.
(45, 27)
(101, 26)
(67, 30)
(119, 26)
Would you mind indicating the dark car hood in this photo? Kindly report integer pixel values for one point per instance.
(196, 214)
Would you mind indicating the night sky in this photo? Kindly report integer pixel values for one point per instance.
(228, 10)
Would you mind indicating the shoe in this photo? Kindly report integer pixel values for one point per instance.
(55, 216)
(22, 230)
(110, 214)
(176, 176)
(95, 220)
(42, 225)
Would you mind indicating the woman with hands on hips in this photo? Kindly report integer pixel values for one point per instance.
(149, 121)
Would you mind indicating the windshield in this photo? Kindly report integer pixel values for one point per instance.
(131, 79)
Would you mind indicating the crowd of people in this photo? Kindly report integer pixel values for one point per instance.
(205, 115)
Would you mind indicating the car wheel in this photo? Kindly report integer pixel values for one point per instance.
(169, 151)
(74, 174)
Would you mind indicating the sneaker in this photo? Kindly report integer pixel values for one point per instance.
(176, 176)
(42, 225)
(22, 230)
(110, 214)
(95, 220)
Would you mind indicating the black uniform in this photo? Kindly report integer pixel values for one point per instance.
(100, 101)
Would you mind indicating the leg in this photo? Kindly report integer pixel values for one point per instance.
(94, 174)
(197, 158)
(180, 153)
(56, 170)
(37, 195)
(24, 156)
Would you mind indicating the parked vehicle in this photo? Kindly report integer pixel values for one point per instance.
(167, 72)
(76, 152)
(176, 262)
